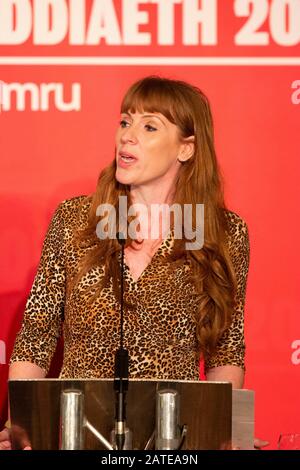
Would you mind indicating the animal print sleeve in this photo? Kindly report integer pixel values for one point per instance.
(231, 348)
(41, 327)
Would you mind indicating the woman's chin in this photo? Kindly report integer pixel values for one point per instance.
(123, 178)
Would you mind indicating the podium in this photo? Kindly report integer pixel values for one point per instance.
(205, 412)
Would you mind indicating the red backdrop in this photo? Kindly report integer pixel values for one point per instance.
(245, 56)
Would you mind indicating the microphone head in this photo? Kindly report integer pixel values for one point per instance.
(121, 363)
(121, 238)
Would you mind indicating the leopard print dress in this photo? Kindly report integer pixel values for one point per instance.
(159, 326)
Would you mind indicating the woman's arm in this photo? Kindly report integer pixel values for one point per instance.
(228, 373)
(25, 370)
(42, 322)
(227, 361)
(37, 339)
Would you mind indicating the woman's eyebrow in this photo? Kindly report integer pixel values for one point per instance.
(144, 116)
(152, 116)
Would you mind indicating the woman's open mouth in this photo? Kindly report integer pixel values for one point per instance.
(126, 159)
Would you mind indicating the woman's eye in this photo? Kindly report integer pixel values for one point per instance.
(124, 123)
(150, 128)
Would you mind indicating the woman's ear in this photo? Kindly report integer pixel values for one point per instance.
(187, 149)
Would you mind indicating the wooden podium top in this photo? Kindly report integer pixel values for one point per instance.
(205, 407)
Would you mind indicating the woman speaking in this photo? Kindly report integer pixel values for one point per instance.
(183, 300)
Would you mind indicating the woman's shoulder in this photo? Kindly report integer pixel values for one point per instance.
(75, 210)
(237, 227)
(234, 218)
(238, 244)
(75, 203)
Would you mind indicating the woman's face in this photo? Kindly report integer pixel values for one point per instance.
(148, 147)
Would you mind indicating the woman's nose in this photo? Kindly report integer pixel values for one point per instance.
(129, 134)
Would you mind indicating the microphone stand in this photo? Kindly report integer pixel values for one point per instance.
(121, 366)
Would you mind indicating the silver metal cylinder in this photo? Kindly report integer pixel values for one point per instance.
(167, 429)
(71, 420)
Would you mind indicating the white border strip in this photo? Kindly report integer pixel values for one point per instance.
(193, 61)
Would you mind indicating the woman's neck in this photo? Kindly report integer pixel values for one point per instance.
(149, 195)
(151, 219)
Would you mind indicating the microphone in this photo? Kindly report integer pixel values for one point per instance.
(121, 365)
